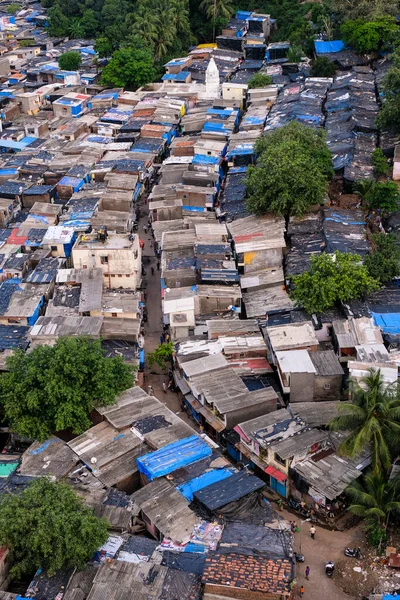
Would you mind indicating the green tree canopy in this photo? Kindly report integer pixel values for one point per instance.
(47, 526)
(389, 115)
(372, 420)
(293, 168)
(103, 47)
(13, 8)
(369, 36)
(162, 355)
(259, 80)
(129, 68)
(377, 500)
(383, 195)
(384, 263)
(58, 22)
(70, 61)
(332, 278)
(322, 67)
(55, 388)
(364, 9)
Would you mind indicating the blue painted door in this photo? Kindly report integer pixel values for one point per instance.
(277, 486)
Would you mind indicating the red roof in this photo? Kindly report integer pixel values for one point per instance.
(15, 238)
(275, 473)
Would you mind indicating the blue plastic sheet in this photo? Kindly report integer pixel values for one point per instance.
(328, 47)
(388, 322)
(198, 483)
(172, 457)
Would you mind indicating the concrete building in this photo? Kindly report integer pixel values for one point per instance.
(118, 255)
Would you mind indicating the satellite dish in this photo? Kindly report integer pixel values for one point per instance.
(93, 460)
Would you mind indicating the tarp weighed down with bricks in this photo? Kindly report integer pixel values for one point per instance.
(172, 457)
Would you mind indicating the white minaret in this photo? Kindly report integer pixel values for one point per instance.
(212, 80)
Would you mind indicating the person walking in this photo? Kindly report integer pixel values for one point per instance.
(312, 532)
(158, 265)
(301, 591)
(162, 338)
(164, 387)
(150, 391)
(307, 572)
(152, 270)
(145, 228)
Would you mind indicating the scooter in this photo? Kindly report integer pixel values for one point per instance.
(353, 552)
(299, 557)
(329, 568)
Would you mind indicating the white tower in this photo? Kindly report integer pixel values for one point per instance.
(212, 80)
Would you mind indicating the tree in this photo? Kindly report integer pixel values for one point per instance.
(13, 8)
(295, 54)
(384, 196)
(332, 278)
(144, 24)
(217, 8)
(322, 67)
(55, 388)
(376, 499)
(259, 80)
(58, 22)
(384, 263)
(103, 47)
(372, 420)
(389, 115)
(90, 24)
(70, 61)
(380, 162)
(363, 9)
(129, 68)
(162, 355)
(293, 168)
(369, 36)
(47, 526)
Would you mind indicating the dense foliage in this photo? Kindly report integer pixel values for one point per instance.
(259, 80)
(47, 526)
(380, 162)
(384, 263)
(129, 68)
(332, 278)
(293, 168)
(364, 9)
(389, 116)
(370, 36)
(55, 388)
(383, 195)
(70, 61)
(322, 67)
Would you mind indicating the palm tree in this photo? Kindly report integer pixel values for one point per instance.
(364, 188)
(181, 18)
(76, 29)
(372, 420)
(375, 499)
(143, 24)
(217, 8)
(166, 28)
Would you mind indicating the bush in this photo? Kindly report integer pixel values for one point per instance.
(295, 54)
(322, 67)
(13, 8)
(259, 80)
(383, 196)
(369, 36)
(384, 263)
(70, 61)
(380, 162)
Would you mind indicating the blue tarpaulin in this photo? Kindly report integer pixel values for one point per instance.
(172, 457)
(198, 483)
(388, 322)
(328, 47)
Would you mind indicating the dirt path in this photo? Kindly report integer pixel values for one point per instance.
(154, 327)
(328, 545)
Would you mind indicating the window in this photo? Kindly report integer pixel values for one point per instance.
(119, 275)
(104, 260)
(281, 461)
(84, 266)
(112, 275)
(53, 248)
(327, 386)
(114, 315)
